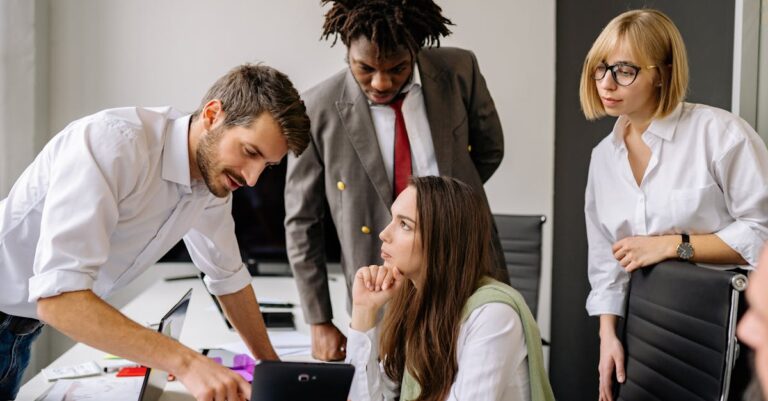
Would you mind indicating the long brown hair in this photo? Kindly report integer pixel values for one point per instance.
(455, 228)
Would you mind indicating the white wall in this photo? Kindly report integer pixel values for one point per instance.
(108, 53)
(111, 53)
(23, 86)
(762, 91)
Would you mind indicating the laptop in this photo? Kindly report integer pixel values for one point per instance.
(170, 325)
(273, 320)
(281, 381)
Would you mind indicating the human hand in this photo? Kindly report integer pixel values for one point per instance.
(611, 359)
(640, 251)
(208, 381)
(328, 343)
(374, 286)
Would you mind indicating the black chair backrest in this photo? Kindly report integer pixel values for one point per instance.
(520, 238)
(679, 334)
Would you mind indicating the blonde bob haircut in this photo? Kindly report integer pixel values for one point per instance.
(654, 39)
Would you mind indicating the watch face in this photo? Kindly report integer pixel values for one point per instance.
(685, 250)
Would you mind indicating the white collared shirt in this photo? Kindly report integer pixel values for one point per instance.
(490, 351)
(423, 159)
(102, 202)
(708, 173)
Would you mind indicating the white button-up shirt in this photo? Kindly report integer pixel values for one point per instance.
(490, 351)
(423, 159)
(708, 173)
(103, 201)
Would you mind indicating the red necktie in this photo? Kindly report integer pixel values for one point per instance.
(402, 166)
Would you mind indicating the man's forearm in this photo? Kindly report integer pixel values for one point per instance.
(86, 318)
(243, 312)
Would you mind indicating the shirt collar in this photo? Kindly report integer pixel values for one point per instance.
(663, 128)
(176, 153)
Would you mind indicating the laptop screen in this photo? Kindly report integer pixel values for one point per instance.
(170, 325)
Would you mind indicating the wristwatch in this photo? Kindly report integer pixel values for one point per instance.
(685, 249)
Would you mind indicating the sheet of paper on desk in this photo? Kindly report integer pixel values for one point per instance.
(285, 343)
(98, 388)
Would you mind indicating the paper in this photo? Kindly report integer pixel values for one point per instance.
(89, 368)
(285, 343)
(102, 388)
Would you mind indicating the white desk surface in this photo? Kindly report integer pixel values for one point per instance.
(203, 328)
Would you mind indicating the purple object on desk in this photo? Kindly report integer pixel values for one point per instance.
(245, 373)
(242, 364)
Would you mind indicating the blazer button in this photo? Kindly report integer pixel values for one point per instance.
(341, 186)
(365, 230)
(469, 148)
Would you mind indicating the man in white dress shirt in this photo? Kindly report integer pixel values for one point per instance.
(400, 109)
(111, 193)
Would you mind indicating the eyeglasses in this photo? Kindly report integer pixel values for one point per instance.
(623, 73)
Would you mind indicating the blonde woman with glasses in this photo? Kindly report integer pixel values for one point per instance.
(672, 180)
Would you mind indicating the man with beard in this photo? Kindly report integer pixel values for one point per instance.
(399, 110)
(111, 193)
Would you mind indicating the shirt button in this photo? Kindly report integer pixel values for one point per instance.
(469, 148)
(365, 230)
(341, 186)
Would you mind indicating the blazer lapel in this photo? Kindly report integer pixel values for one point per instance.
(355, 116)
(439, 94)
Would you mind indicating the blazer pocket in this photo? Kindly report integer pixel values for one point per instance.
(462, 127)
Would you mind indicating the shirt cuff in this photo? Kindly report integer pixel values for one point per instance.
(55, 282)
(360, 346)
(228, 285)
(740, 237)
(606, 303)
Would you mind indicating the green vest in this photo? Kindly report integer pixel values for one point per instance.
(493, 291)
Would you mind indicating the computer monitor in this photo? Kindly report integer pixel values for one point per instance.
(259, 214)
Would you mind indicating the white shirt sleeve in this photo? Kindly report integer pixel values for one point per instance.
(491, 354)
(608, 279)
(369, 382)
(746, 195)
(92, 167)
(213, 248)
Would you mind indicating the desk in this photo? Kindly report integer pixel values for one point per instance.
(203, 328)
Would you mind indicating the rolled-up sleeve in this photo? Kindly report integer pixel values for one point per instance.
(743, 174)
(608, 280)
(214, 250)
(86, 180)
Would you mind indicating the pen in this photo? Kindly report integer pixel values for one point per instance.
(187, 277)
(276, 304)
(113, 369)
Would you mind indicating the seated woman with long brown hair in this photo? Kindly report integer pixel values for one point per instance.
(449, 332)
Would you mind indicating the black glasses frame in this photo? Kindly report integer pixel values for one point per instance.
(614, 67)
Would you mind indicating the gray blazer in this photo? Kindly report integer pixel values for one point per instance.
(343, 165)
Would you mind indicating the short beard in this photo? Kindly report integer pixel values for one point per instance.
(206, 161)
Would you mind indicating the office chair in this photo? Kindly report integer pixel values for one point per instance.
(679, 332)
(520, 238)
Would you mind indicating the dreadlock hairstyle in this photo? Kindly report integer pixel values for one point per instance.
(389, 24)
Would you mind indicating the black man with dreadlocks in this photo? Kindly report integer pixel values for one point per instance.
(403, 107)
